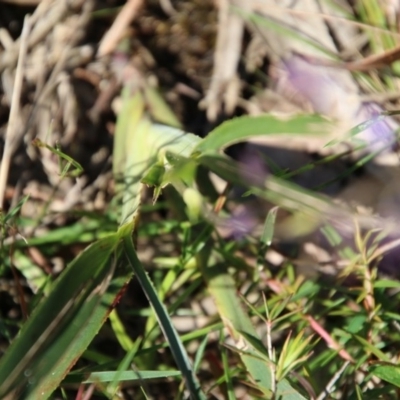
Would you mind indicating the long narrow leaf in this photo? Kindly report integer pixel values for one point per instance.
(243, 128)
(223, 288)
(166, 325)
(128, 376)
(64, 324)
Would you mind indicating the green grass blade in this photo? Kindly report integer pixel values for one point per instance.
(15, 210)
(123, 366)
(127, 376)
(374, 350)
(166, 325)
(120, 332)
(83, 231)
(227, 373)
(269, 226)
(200, 353)
(223, 289)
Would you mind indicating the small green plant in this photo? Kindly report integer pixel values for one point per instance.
(68, 167)
(285, 361)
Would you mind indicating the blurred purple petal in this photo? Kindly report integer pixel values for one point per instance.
(328, 92)
(241, 224)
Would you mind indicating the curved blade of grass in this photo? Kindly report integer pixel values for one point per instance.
(120, 333)
(14, 211)
(242, 128)
(223, 289)
(177, 349)
(124, 365)
(64, 323)
(227, 373)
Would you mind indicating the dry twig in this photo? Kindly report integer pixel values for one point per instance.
(13, 128)
(225, 85)
(116, 32)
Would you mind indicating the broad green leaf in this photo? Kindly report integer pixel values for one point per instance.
(243, 128)
(63, 324)
(148, 147)
(386, 283)
(388, 373)
(139, 143)
(355, 323)
(194, 202)
(137, 162)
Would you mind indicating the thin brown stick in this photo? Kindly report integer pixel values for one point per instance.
(222, 199)
(112, 37)
(13, 127)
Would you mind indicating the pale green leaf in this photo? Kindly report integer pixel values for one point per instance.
(126, 376)
(243, 128)
(223, 289)
(388, 373)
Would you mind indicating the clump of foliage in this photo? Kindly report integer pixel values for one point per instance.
(275, 334)
(270, 332)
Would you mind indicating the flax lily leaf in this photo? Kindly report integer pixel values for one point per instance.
(63, 324)
(177, 349)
